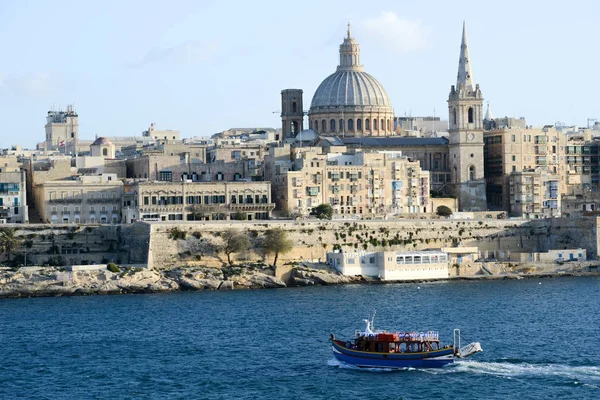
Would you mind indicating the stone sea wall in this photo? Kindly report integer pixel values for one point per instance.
(190, 243)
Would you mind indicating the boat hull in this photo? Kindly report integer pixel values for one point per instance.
(364, 359)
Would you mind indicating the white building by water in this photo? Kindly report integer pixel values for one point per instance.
(391, 265)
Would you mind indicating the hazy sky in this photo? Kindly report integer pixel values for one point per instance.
(205, 66)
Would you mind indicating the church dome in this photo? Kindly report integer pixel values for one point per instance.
(350, 88)
(101, 141)
(351, 102)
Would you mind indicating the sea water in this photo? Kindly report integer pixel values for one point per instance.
(540, 340)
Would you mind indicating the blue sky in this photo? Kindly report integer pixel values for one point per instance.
(205, 66)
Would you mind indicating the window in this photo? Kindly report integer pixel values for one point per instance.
(374, 124)
(470, 115)
(454, 115)
(367, 121)
(514, 158)
(165, 176)
(323, 122)
(514, 138)
(359, 124)
(350, 125)
(341, 125)
(472, 173)
(294, 107)
(332, 125)
(105, 152)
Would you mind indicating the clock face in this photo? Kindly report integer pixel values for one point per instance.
(470, 136)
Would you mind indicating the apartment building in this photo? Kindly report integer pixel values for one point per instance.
(13, 197)
(534, 194)
(189, 201)
(82, 199)
(357, 183)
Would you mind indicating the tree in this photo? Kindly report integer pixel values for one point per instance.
(323, 211)
(235, 242)
(239, 216)
(9, 241)
(443, 211)
(276, 242)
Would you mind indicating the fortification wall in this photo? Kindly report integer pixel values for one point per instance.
(312, 239)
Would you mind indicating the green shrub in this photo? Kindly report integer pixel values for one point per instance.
(112, 267)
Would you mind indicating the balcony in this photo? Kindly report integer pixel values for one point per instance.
(261, 207)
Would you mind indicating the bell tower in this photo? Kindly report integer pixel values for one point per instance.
(465, 108)
(292, 114)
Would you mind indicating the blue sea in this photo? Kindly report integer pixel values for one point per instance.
(540, 340)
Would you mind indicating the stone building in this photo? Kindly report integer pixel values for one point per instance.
(354, 183)
(13, 197)
(350, 107)
(534, 194)
(350, 102)
(179, 168)
(465, 149)
(103, 147)
(82, 199)
(62, 131)
(189, 201)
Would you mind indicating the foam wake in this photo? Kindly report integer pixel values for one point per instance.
(590, 374)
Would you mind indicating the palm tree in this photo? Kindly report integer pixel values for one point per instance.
(9, 241)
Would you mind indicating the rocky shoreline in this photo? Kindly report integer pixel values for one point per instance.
(50, 281)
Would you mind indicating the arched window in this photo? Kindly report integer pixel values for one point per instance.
(359, 124)
(341, 125)
(323, 126)
(294, 107)
(367, 121)
(316, 126)
(350, 125)
(472, 173)
(105, 151)
(332, 125)
(382, 125)
(454, 116)
(374, 124)
(389, 125)
(470, 111)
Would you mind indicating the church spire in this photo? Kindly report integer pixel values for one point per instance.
(465, 77)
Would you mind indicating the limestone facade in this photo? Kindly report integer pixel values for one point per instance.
(534, 194)
(189, 201)
(82, 199)
(354, 184)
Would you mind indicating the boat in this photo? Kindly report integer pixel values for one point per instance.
(400, 350)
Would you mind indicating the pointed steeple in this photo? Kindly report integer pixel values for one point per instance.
(349, 32)
(488, 113)
(464, 80)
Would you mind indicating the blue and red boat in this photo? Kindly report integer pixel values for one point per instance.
(389, 349)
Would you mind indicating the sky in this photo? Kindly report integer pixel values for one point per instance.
(202, 67)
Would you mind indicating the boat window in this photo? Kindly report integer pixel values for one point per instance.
(443, 258)
(417, 259)
(434, 259)
(425, 259)
(409, 259)
(399, 260)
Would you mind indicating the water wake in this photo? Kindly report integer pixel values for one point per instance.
(590, 374)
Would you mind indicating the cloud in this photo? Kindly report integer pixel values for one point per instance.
(399, 34)
(190, 52)
(29, 84)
